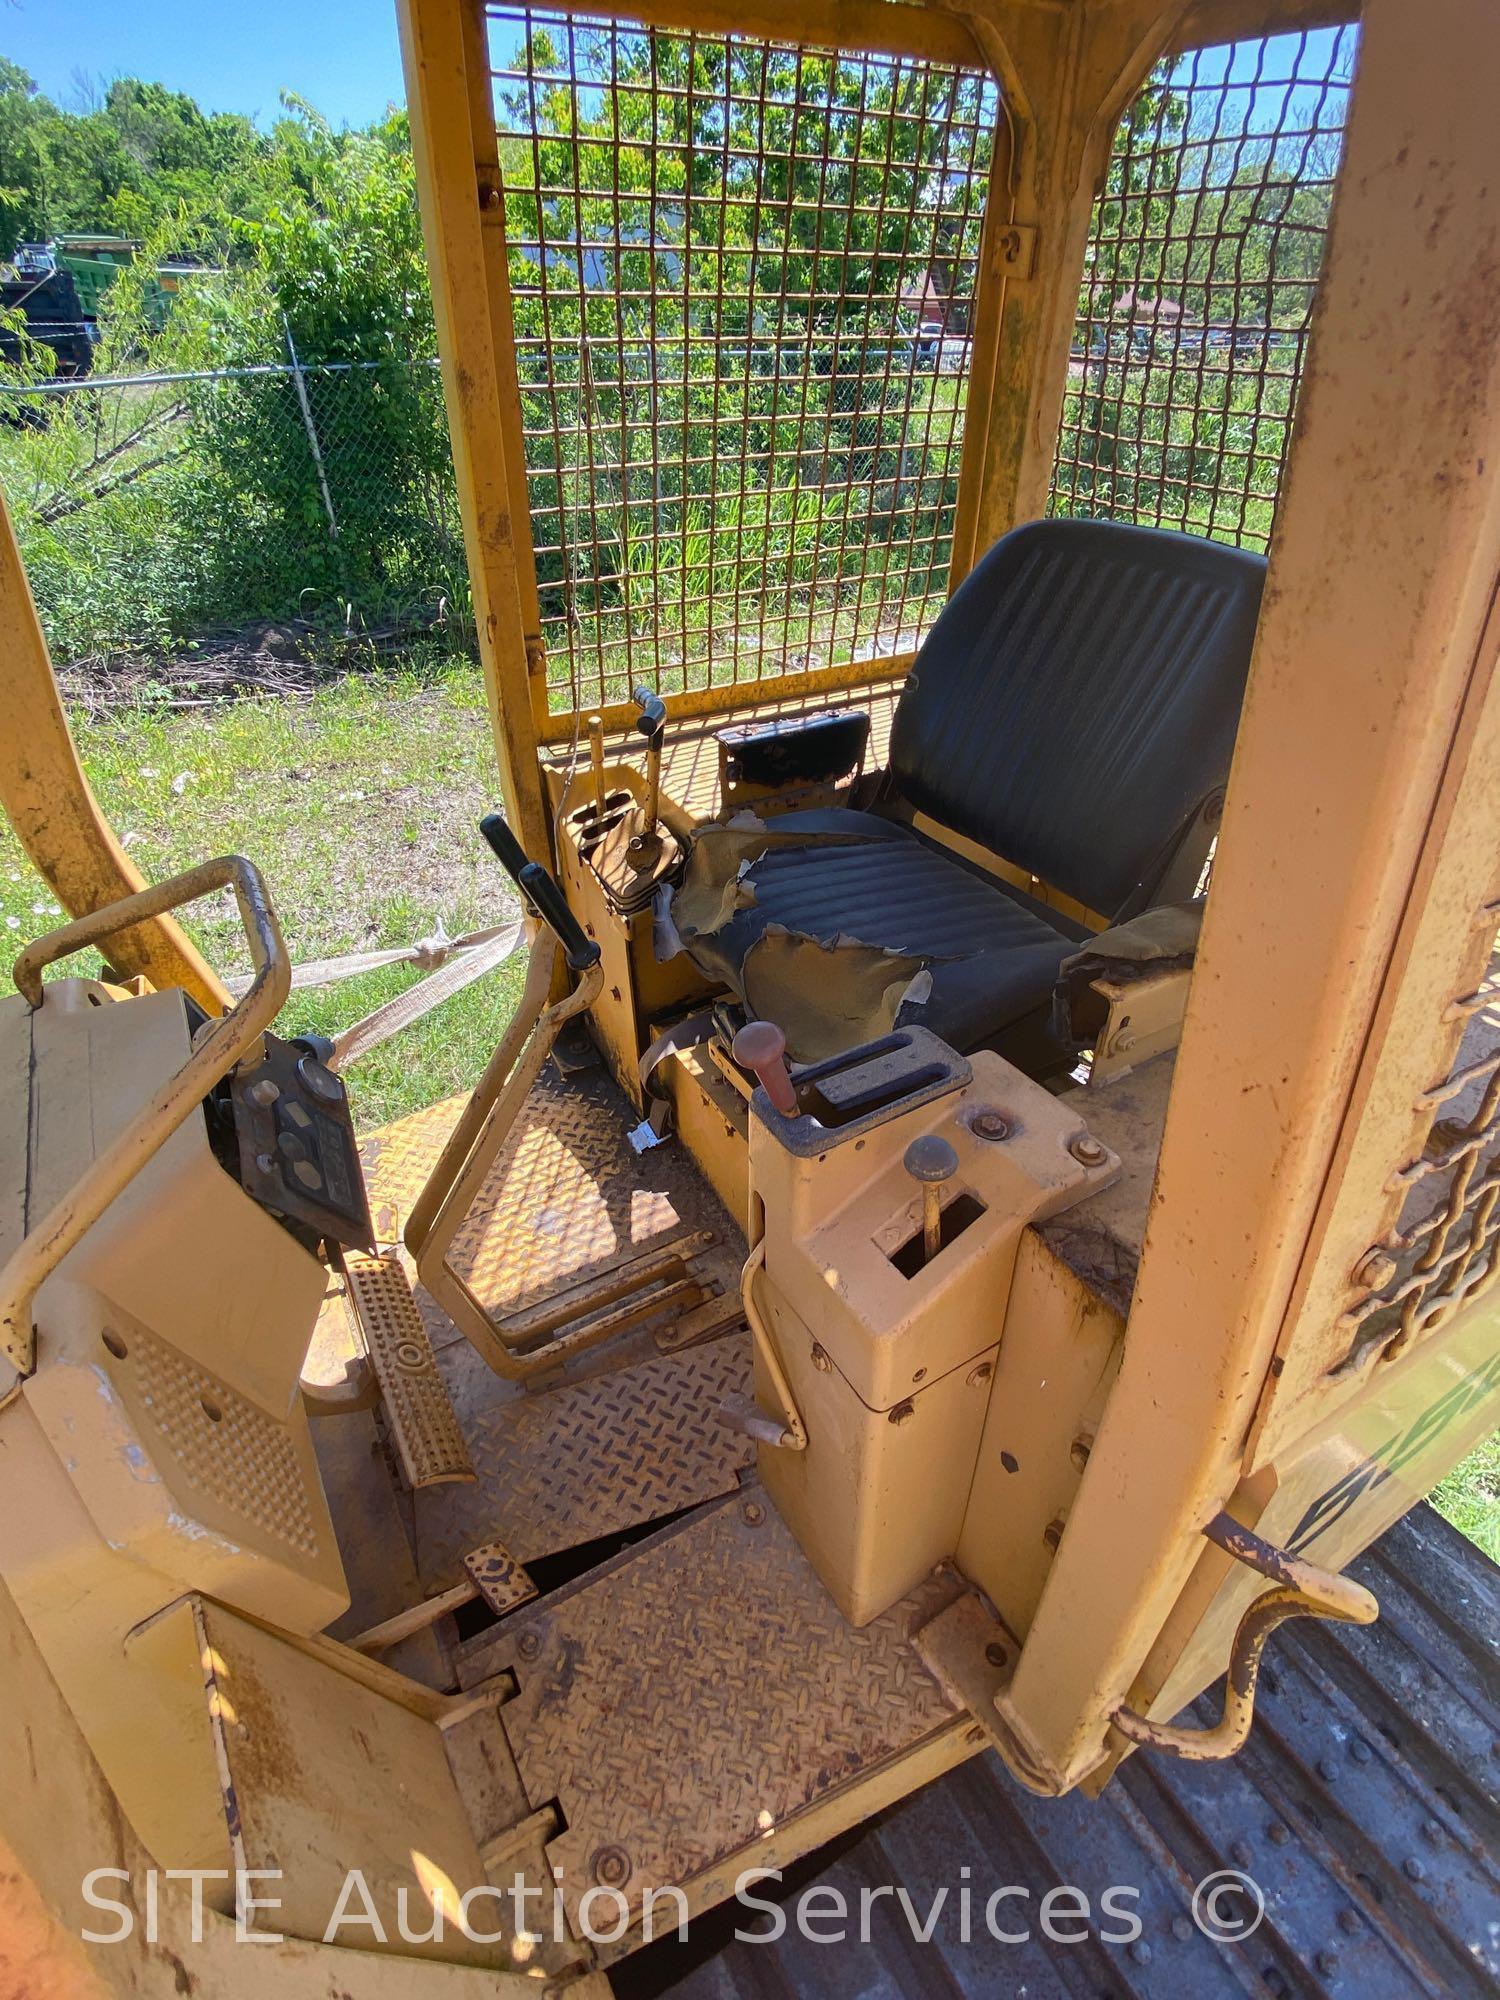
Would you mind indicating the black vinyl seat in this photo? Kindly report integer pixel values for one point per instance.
(1073, 710)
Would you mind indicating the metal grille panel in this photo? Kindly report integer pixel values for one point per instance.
(743, 278)
(1199, 281)
(1440, 1254)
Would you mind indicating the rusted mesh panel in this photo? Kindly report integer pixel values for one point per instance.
(1442, 1249)
(1198, 286)
(743, 277)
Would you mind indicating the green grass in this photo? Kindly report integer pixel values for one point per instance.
(360, 803)
(1470, 1496)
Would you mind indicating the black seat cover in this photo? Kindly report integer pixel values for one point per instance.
(1078, 699)
(1071, 710)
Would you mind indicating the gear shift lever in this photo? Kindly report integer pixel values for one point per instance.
(761, 1046)
(931, 1161)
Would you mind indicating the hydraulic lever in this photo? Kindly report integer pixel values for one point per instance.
(645, 849)
(541, 892)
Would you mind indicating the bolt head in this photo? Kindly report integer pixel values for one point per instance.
(1376, 1268)
(980, 1372)
(991, 1125)
(612, 1867)
(1087, 1150)
(529, 1645)
(263, 1093)
(903, 1413)
(754, 1513)
(996, 1654)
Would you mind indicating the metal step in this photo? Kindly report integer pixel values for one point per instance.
(417, 1406)
(1365, 1808)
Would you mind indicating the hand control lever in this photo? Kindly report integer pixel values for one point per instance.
(650, 723)
(931, 1162)
(761, 1046)
(543, 894)
(596, 762)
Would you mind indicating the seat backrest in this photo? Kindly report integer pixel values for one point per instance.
(1077, 700)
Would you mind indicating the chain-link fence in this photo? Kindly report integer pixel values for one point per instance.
(313, 505)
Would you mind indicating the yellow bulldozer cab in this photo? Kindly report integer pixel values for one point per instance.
(983, 524)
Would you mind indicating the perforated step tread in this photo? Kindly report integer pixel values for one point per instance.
(417, 1405)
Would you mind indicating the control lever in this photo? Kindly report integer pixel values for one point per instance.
(542, 893)
(931, 1162)
(650, 723)
(761, 1046)
(596, 762)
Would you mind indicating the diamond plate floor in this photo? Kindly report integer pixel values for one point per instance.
(567, 1199)
(585, 1459)
(629, 1434)
(698, 1690)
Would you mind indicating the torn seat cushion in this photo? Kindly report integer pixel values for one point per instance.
(839, 925)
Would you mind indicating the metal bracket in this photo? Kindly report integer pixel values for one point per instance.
(1016, 245)
(1301, 1590)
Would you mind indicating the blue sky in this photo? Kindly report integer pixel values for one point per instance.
(232, 55)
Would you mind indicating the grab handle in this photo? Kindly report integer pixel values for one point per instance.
(217, 1047)
(1302, 1590)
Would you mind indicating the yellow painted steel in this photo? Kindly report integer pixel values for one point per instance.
(1371, 640)
(48, 801)
(461, 209)
(57, 1232)
(733, 696)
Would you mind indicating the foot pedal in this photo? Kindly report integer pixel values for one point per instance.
(501, 1581)
(416, 1402)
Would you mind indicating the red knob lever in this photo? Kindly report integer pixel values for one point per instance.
(761, 1046)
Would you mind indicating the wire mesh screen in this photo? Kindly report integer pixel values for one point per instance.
(743, 278)
(1442, 1247)
(1199, 281)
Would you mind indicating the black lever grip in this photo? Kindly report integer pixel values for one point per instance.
(653, 716)
(543, 894)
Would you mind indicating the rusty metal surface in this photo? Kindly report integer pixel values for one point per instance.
(691, 1695)
(416, 1403)
(1436, 1253)
(1366, 1805)
(500, 1580)
(585, 1459)
(566, 1201)
(628, 1434)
